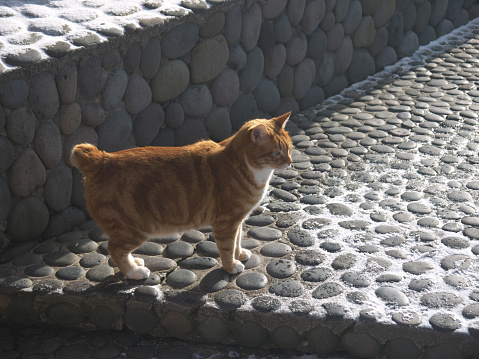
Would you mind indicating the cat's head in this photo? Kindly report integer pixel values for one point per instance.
(270, 145)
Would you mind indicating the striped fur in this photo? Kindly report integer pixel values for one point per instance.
(153, 191)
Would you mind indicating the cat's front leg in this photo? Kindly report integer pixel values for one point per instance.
(225, 238)
(241, 253)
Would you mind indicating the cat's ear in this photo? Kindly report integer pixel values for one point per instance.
(258, 134)
(281, 120)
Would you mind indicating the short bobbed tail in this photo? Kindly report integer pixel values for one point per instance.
(87, 158)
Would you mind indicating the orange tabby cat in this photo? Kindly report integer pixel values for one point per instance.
(154, 191)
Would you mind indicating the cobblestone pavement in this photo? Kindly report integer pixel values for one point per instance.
(376, 220)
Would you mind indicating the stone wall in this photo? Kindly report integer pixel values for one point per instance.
(199, 76)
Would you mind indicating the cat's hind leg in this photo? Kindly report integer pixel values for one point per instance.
(120, 251)
(241, 253)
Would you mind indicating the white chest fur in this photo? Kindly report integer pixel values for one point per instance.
(262, 176)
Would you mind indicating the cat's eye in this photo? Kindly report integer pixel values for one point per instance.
(276, 153)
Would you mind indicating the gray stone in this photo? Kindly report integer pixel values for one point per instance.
(287, 288)
(148, 123)
(339, 209)
(114, 133)
(138, 94)
(396, 29)
(66, 220)
(353, 17)
(295, 11)
(43, 96)
(214, 281)
(243, 110)
(386, 57)
(381, 38)
(365, 33)
(251, 74)
(58, 188)
(319, 274)
(303, 79)
(57, 49)
(4, 202)
(272, 8)
(90, 78)
(191, 131)
(180, 40)
(233, 23)
(24, 57)
(181, 278)
(99, 273)
(27, 173)
(237, 58)
(251, 27)
(131, 59)
(266, 38)
(265, 233)
(66, 80)
(281, 268)
(197, 101)
(335, 37)
(471, 311)
(70, 118)
(213, 25)
(225, 88)
(114, 89)
(325, 69)
(296, 48)
(166, 137)
(285, 81)
(208, 59)
(440, 300)
(48, 144)
(438, 11)
(355, 279)
(344, 261)
(313, 14)
(20, 126)
(28, 219)
(344, 55)
(14, 93)
(317, 43)
(218, 124)
(150, 58)
(384, 12)
(282, 29)
(360, 344)
(327, 290)
(111, 59)
(93, 114)
(392, 296)
(408, 45)
(274, 61)
(252, 281)
(267, 96)
(174, 115)
(362, 66)
(265, 303)
(314, 95)
(170, 82)
(423, 13)
(199, 263)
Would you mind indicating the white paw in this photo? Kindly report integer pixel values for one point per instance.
(239, 267)
(139, 261)
(247, 254)
(138, 273)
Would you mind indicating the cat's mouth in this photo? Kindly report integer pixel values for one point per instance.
(283, 166)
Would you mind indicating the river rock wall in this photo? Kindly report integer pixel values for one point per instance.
(172, 83)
